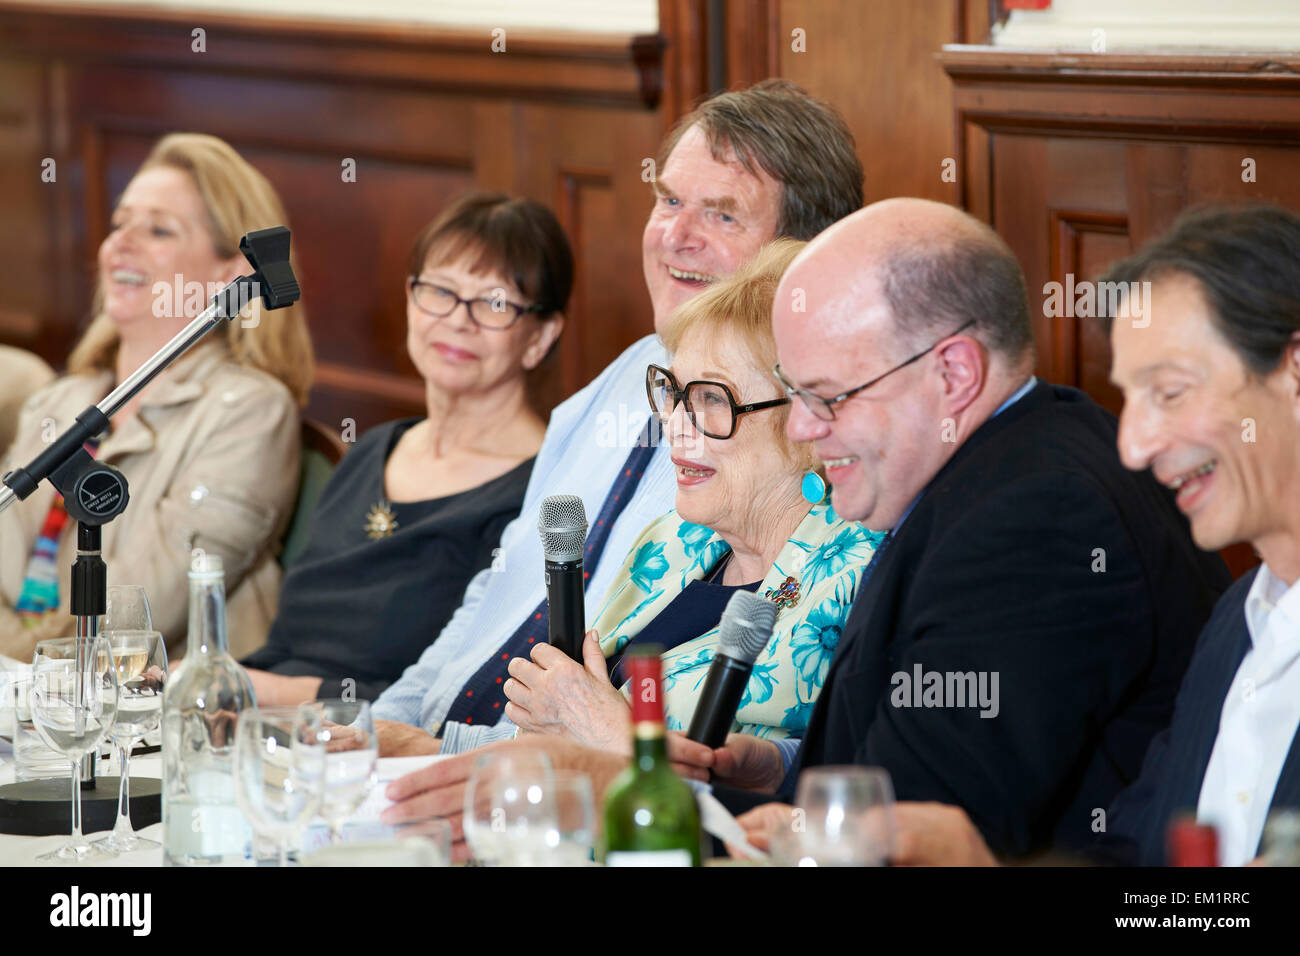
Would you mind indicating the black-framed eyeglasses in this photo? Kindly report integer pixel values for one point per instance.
(710, 406)
(495, 312)
(824, 408)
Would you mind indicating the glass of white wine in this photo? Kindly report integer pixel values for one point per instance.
(74, 704)
(141, 661)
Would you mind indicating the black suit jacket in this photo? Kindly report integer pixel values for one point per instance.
(1175, 765)
(999, 569)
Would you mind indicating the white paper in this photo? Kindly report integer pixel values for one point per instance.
(718, 821)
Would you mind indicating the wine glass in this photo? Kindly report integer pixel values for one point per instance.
(351, 755)
(844, 816)
(573, 840)
(126, 609)
(510, 808)
(141, 661)
(279, 763)
(73, 704)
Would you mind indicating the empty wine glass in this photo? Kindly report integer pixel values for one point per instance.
(510, 808)
(73, 705)
(279, 763)
(351, 755)
(844, 816)
(574, 838)
(127, 609)
(141, 661)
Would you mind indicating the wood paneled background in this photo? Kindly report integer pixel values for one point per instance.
(1074, 159)
(563, 118)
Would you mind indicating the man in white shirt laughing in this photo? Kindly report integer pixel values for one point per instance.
(742, 169)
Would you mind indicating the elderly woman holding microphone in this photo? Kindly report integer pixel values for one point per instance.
(749, 516)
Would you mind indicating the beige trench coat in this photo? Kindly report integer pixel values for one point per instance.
(21, 374)
(212, 462)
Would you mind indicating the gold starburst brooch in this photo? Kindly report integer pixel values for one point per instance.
(381, 522)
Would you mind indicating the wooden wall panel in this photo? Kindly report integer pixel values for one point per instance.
(1076, 160)
(875, 62)
(425, 114)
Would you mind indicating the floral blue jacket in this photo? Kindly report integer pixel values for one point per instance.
(826, 556)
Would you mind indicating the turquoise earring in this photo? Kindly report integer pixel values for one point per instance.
(814, 488)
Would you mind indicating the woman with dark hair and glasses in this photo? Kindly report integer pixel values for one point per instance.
(751, 514)
(415, 509)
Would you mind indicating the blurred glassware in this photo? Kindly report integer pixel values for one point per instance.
(573, 841)
(1280, 844)
(33, 759)
(127, 609)
(510, 808)
(141, 661)
(74, 694)
(843, 816)
(278, 766)
(351, 755)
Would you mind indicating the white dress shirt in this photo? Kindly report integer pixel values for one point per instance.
(587, 441)
(1258, 723)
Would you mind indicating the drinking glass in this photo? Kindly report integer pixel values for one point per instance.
(351, 755)
(573, 840)
(32, 759)
(73, 704)
(279, 763)
(141, 661)
(127, 609)
(844, 816)
(510, 808)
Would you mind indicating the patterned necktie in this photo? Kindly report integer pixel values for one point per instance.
(481, 700)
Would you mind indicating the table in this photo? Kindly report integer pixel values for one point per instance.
(23, 850)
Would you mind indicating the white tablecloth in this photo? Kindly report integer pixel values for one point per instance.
(23, 850)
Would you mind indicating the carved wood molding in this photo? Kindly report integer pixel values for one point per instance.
(972, 63)
(610, 69)
(1065, 232)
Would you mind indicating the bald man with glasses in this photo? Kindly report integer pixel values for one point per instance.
(1021, 636)
(1023, 632)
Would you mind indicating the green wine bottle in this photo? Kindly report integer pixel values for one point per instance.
(651, 818)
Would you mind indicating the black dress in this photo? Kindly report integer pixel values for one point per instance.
(361, 608)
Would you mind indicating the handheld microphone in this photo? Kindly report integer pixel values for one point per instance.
(744, 631)
(562, 523)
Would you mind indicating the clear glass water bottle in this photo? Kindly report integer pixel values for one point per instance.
(202, 823)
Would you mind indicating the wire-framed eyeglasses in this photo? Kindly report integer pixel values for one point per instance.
(824, 408)
(494, 312)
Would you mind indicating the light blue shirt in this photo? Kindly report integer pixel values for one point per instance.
(587, 441)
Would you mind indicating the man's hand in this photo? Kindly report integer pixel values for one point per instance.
(749, 763)
(761, 824)
(277, 690)
(402, 740)
(935, 834)
(439, 789)
(553, 694)
(691, 760)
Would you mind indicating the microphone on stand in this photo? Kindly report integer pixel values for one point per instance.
(562, 523)
(744, 631)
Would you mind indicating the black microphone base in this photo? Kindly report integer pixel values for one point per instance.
(44, 807)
